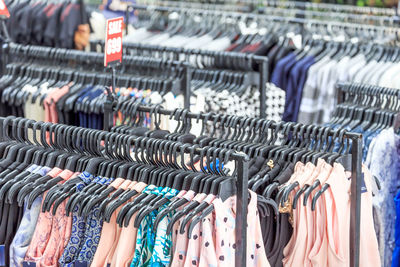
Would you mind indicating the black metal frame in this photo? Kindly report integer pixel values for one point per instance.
(356, 181)
(82, 57)
(267, 17)
(258, 79)
(364, 89)
(242, 162)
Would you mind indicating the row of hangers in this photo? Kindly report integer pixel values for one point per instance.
(78, 149)
(245, 6)
(266, 20)
(155, 161)
(253, 136)
(367, 106)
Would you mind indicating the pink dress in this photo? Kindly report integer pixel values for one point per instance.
(225, 233)
(182, 241)
(109, 233)
(194, 245)
(125, 248)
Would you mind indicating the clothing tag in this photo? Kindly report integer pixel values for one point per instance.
(81, 264)
(28, 264)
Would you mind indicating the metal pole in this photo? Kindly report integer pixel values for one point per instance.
(355, 218)
(5, 31)
(263, 70)
(109, 103)
(241, 212)
(186, 86)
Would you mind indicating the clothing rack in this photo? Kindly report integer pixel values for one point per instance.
(284, 9)
(327, 6)
(226, 7)
(90, 58)
(305, 5)
(356, 160)
(241, 160)
(267, 17)
(365, 89)
(331, 15)
(243, 61)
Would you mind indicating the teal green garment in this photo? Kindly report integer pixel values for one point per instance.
(143, 235)
(163, 244)
(152, 245)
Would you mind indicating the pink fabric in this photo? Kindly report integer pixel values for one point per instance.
(125, 185)
(188, 196)
(125, 249)
(299, 174)
(317, 255)
(51, 100)
(225, 215)
(208, 256)
(369, 251)
(109, 233)
(337, 200)
(182, 240)
(309, 214)
(194, 244)
(51, 234)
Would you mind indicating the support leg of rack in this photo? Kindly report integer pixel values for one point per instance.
(186, 87)
(355, 218)
(263, 70)
(241, 212)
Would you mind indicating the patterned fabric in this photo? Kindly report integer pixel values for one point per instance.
(71, 251)
(93, 228)
(163, 242)
(246, 104)
(145, 235)
(42, 232)
(24, 234)
(383, 160)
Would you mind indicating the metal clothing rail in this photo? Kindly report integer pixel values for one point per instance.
(226, 7)
(356, 181)
(300, 5)
(326, 6)
(266, 17)
(225, 60)
(111, 144)
(90, 58)
(354, 18)
(365, 89)
(283, 8)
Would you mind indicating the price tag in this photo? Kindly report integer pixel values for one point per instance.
(3, 10)
(113, 44)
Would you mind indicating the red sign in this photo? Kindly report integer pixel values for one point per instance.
(113, 44)
(3, 9)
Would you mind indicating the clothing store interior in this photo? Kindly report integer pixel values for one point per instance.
(211, 133)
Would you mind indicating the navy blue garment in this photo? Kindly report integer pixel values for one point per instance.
(277, 74)
(87, 96)
(296, 75)
(396, 252)
(286, 73)
(303, 77)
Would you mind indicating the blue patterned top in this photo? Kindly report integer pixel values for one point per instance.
(71, 251)
(93, 227)
(383, 160)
